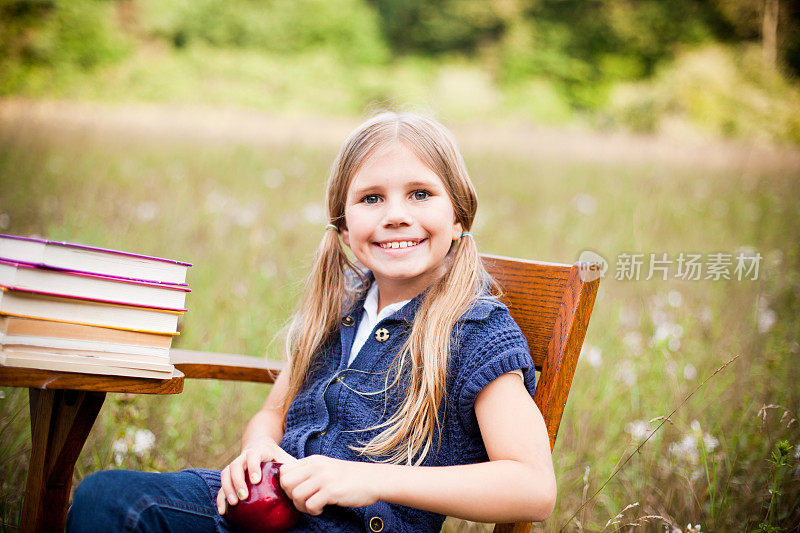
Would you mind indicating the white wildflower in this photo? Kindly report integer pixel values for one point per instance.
(659, 317)
(766, 319)
(662, 333)
(143, 441)
(268, 269)
(593, 355)
(638, 429)
(626, 372)
(244, 216)
(216, 202)
(705, 315)
(668, 333)
(273, 178)
(695, 425)
(674, 298)
(314, 213)
(585, 204)
(710, 442)
(633, 340)
(552, 218)
(119, 448)
(240, 290)
(146, 211)
(686, 449)
(689, 372)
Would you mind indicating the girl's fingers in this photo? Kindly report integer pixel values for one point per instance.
(253, 462)
(301, 494)
(227, 486)
(221, 502)
(315, 503)
(237, 480)
(291, 476)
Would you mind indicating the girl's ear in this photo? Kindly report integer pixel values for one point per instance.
(457, 231)
(345, 236)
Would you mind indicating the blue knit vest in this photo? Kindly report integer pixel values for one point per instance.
(338, 403)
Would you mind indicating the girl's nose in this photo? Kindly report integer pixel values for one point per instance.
(397, 213)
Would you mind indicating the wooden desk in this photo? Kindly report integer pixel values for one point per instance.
(64, 406)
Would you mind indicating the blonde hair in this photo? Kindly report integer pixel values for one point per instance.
(408, 434)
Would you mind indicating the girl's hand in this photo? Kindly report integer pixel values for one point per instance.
(316, 481)
(234, 486)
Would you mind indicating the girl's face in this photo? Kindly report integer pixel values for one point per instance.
(400, 222)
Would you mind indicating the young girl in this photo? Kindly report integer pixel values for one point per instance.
(408, 390)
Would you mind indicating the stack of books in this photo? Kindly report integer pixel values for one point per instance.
(74, 308)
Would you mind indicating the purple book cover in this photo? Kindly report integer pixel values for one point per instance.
(47, 242)
(98, 300)
(169, 286)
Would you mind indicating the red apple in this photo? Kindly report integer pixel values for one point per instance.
(267, 508)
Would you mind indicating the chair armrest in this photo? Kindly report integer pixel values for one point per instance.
(210, 365)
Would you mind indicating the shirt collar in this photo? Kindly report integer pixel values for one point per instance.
(371, 306)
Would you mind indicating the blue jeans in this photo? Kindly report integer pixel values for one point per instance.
(121, 500)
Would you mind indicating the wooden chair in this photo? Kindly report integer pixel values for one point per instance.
(551, 303)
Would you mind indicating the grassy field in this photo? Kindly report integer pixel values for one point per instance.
(249, 214)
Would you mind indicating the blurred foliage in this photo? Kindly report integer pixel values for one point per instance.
(52, 34)
(716, 89)
(609, 62)
(442, 26)
(347, 27)
(586, 46)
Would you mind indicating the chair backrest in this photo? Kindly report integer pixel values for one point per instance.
(551, 303)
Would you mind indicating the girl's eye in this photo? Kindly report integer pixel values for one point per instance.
(421, 195)
(371, 199)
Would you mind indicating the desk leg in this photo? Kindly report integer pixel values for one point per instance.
(60, 422)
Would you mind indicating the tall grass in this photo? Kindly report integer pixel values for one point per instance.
(248, 216)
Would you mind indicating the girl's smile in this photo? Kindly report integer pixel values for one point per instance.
(394, 245)
(400, 222)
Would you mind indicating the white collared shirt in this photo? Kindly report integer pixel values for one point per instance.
(371, 317)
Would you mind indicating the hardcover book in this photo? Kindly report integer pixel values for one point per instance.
(88, 259)
(31, 327)
(81, 364)
(32, 305)
(22, 276)
(129, 352)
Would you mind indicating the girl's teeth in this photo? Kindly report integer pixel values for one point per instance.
(399, 244)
